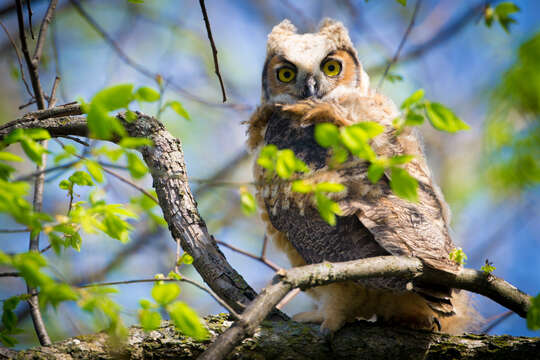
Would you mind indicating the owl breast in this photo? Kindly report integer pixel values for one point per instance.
(313, 238)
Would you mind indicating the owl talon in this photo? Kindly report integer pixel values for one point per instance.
(437, 323)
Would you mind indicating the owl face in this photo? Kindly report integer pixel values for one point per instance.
(302, 66)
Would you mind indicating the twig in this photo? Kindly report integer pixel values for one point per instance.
(402, 42)
(45, 171)
(265, 261)
(19, 60)
(183, 279)
(11, 231)
(29, 8)
(118, 176)
(32, 67)
(213, 45)
(291, 295)
(10, 274)
(139, 68)
(131, 183)
(77, 140)
(384, 266)
(496, 321)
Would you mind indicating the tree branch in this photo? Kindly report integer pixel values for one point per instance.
(281, 340)
(385, 266)
(213, 46)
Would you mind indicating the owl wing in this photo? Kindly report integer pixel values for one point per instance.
(402, 227)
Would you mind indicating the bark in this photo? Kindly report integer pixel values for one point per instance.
(291, 340)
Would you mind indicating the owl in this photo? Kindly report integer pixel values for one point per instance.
(318, 78)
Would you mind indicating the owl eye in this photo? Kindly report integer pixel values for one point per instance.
(286, 74)
(331, 68)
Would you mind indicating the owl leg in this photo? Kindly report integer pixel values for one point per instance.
(315, 317)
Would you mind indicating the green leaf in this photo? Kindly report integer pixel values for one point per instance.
(165, 293)
(81, 178)
(55, 293)
(178, 108)
(95, 170)
(328, 209)
(33, 150)
(339, 155)
(186, 259)
(136, 1)
(37, 134)
(145, 93)
(402, 2)
(533, 315)
(285, 163)
(400, 159)
(65, 185)
(403, 184)
(488, 267)
(356, 140)
(6, 171)
(7, 156)
(503, 12)
(149, 319)
(413, 99)
(249, 206)
(375, 172)
(114, 97)
(458, 256)
(134, 142)
(137, 168)
(329, 187)
(326, 134)
(413, 119)
(145, 304)
(370, 128)
(303, 187)
(187, 321)
(443, 118)
(394, 77)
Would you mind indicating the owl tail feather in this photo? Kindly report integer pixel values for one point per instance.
(439, 299)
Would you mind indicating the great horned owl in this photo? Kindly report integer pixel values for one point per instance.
(317, 77)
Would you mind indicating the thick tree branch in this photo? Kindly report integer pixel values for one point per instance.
(285, 340)
(385, 266)
(165, 161)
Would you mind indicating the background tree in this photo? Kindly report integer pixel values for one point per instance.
(488, 174)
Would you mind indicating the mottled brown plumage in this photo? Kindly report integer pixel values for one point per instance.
(374, 220)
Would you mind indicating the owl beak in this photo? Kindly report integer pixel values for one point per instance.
(310, 87)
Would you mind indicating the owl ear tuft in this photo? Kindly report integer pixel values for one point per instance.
(280, 31)
(335, 31)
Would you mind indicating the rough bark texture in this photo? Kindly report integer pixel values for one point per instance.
(166, 163)
(291, 340)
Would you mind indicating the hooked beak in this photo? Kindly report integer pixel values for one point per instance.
(310, 87)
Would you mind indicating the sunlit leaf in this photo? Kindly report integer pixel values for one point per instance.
(95, 170)
(133, 142)
(533, 315)
(329, 187)
(165, 293)
(145, 93)
(403, 184)
(247, 200)
(178, 108)
(413, 99)
(326, 134)
(137, 168)
(301, 186)
(149, 319)
(443, 118)
(187, 321)
(81, 178)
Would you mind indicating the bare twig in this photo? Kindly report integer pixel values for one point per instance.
(11, 231)
(385, 266)
(213, 46)
(19, 60)
(183, 279)
(10, 274)
(402, 42)
(496, 321)
(30, 13)
(45, 171)
(138, 67)
(262, 259)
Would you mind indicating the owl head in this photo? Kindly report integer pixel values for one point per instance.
(315, 65)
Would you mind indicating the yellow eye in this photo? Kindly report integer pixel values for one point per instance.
(286, 74)
(332, 68)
